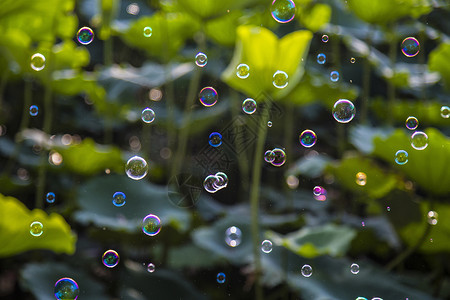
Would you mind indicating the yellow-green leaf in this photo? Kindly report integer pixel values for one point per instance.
(316, 17)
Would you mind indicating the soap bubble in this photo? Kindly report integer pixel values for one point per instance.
(432, 217)
(445, 112)
(233, 236)
(269, 156)
(280, 157)
(411, 123)
(136, 168)
(361, 298)
(344, 111)
(354, 268)
(242, 71)
(50, 197)
(36, 228)
(151, 225)
(410, 47)
(208, 96)
(321, 58)
(266, 246)
(419, 140)
(280, 79)
(324, 38)
(269, 123)
(34, 110)
(401, 157)
(308, 138)
(148, 31)
(221, 277)
(119, 199)
(361, 178)
(283, 11)
(66, 289)
(37, 62)
(249, 106)
(319, 193)
(148, 115)
(210, 184)
(352, 60)
(201, 59)
(110, 258)
(334, 76)
(151, 268)
(215, 139)
(307, 270)
(221, 180)
(85, 35)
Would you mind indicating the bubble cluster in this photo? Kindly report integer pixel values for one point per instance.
(319, 193)
(354, 268)
(411, 123)
(201, 59)
(269, 156)
(148, 31)
(36, 228)
(136, 168)
(110, 258)
(321, 58)
(401, 157)
(34, 110)
(37, 62)
(85, 35)
(151, 268)
(213, 183)
(410, 47)
(50, 197)
(280, 79)
(148, 115)
(66, 289)
(242, 71)
(208, 96)
(151, 225)
(266, 246)
(344, 111)
(279, 157)
(419, 140)
(119, 199)
(233, 236)
(308, 138)
(307, 270)
(445, 112)
(325, 38)
(215, 139)
(432, 217)
(334, 76)
(221, 277)
(361, 178)
(283, 11)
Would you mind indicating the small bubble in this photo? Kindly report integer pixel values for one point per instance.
(319, 193)
(269, 156)
(215, 139)
(419, 140)
(151, 225)
(36, 228)
(266, 246)
(148, 115)
(280, 157)
(307, 270)
(133, 9)
(249, 106)
(208, 96)
(401, 157)
(410, 47)
(269, 123)
(37, 62)
(119, 199)
(432, 217)
(155, 94)
(308, 138)
(411, 123)
(321, 58)
(221, 277)
(363, 224)
(325, 38)
(110, 258)
(283, 11)
(361, 298)
(280, 79)
(242, 71)
(34, 110)
(50, 197)
(210, 184)
(221, 180)
(151, 268)
(377, 298)
(334, 76)
(344, 111)
(201, 59)
(445, 112)
(233, 236)
(148, 31)
(292, 182)
(354, 268)
(136, 168)
(85, 35)
(66, 289)
(388, 208)
(352, 60)
(361, 178)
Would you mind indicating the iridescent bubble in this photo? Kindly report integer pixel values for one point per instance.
(377, 298)
(361, 178)
(308, 138)
(85, 35)
(283, 11)
(110, 258)
(334, 76)
(148, 31)
(148, 115)
(269, 156)
(354, 268)
(201, 59)
(344, 111)
(280, 157)
(352, 60)
(221, 277)
(361, 298)
(410, 47)
(321, 58)
(37, 62)
(34, 110)
(325, 38)
(307, 270)
(266, 246)
(269, 123)
(419, 140)
(136, 168)
(36, 228)
(119, 199)
(249, 106)
(208, 96)
(388, 208)
(233, 236)
(66, 289)
(401, 157)
(151, 268)
(215, 139)
(151, 225)
(210, 184)
(221, 180)
(280, 79)
(445, 112)
(319, 193)
(432, 217)
(50, 197)
(411, 123)
(242, 71)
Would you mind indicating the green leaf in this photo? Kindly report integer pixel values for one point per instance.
(14, 50)
(265, 54)
(438, 61)
(15, 220)
(210, 9)
(223, 30)
(315, 17)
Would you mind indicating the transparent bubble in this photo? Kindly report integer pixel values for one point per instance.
(37, 62)
(233, 236)
(361, 178)
(119, 199)
(344, 111)
(308, 138)
(50, 197)
(269, 156)
(388, 208)
(110, 258)
(377, 298)
(361, 298)
(307, 270)
(354, 268)
(319, 193)
(283, 11)
(215, 139)
(36, 228)
(208, 96)
(201, 59)
(432, 217)
(280, 79)
(148, 31)
(210, 184)
(85, 35)
(133, 9)
(221, 277)
(401, 157)
(151, 268)
(321, 58)
(292, 182)
(221, 180)
(410, 47)
(352, 60)
(249, 106)
(242, 71)
(445, 112)
(34, 110)
(411, 123)
(419, 140)
(269, 123)
(334, 76)
(148, 115)
(151, 225)
(136, 168)
(66, 289)
(266, 246)
(280, 157)
(325, 38)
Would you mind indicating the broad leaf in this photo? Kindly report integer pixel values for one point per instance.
(439, 62)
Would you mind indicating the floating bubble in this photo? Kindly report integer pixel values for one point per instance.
(201, 59)
(354, 268)
(419, 140)
(66, 289)
(388, 208)
(269, 156)
(352, 60)
(432, 217)
(361, 178)
(151, 268)
(307, 270)
(266, 246)
(269, 123)
(221, 277)
(280, 79)
(208, 96)
(334, 76)
(133, 9)
(321, 58)
(411, 123)
(292, 182)
(361, 298)
(249, 106)
(377, 298)
(242, 71)
(151, 225)
(325, 38)
(136, 168)
(210, 184)
(34, 110)
(283, 11)
(445, 112)
(344, 111)
(148, 115)
(308, 138)
(280, 157)
(215, 139)
(50, 197)
(110, 258)
(119, 199)
(221, 180)
(401, 157)
(319, 193)
(148, 31)
(410, 47)
(85, 35)
(37, 62)
(233, 236)
(36, 228)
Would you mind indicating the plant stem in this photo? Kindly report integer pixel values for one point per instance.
(390, 85)
(3, 82)
(366, 79)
